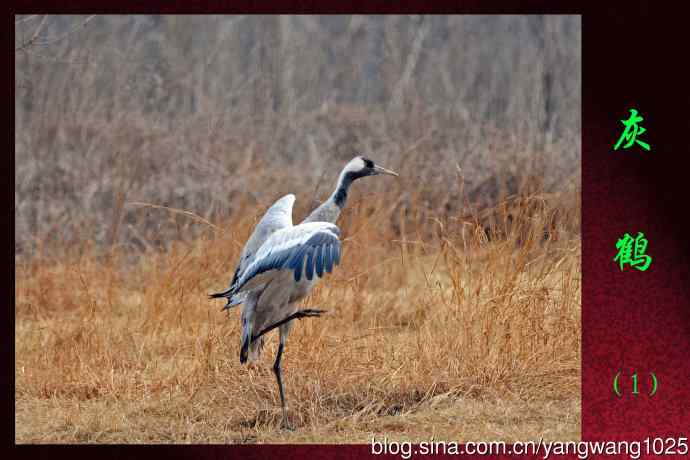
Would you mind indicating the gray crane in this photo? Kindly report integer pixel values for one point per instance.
(278, 263)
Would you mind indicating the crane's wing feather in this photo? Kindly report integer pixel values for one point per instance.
(277, 217)
(287, 249)
(318, 260)
(327, 262)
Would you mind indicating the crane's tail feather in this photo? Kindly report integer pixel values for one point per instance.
(233, 299)
(218, 295)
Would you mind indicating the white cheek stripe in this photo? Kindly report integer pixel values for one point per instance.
(355, 165)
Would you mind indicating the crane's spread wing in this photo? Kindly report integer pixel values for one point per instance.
(305, 249)
(277, 217)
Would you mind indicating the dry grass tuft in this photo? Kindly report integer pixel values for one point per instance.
(470, 333)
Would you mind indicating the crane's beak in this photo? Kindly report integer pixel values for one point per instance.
(382, 170)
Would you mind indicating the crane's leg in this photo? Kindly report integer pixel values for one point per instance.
(276, 369)
(297, 315)
(284, 326)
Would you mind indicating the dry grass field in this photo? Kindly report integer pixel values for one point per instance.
(460, 337)
(147, 148)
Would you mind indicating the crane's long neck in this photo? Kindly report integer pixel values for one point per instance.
(329, 211)
(339, 195)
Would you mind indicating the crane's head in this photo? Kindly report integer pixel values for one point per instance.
(360, 166)
(357, 167)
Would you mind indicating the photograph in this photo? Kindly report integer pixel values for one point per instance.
(298, 229)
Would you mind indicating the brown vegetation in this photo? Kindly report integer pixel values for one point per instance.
(460, 335)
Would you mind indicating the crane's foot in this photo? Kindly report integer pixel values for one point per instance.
(285, 424)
